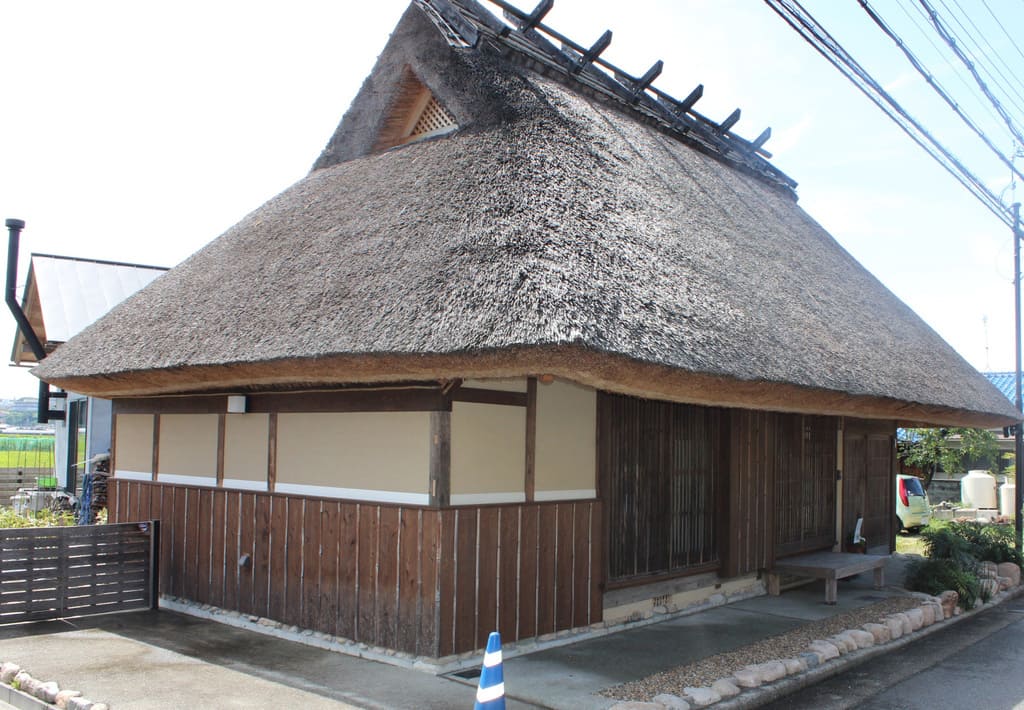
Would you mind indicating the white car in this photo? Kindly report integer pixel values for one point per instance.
(913, 511)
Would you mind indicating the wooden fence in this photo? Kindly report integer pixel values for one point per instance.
(11, 479)
(63, 572)
(421, 580)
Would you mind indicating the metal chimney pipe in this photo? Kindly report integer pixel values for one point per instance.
(14, 227)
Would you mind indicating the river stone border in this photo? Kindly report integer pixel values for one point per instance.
(764, 682)
(20, 689)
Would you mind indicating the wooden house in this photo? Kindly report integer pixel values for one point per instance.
(62, 296)
(531, 348)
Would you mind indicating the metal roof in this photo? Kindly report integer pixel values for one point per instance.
(64, 295)
(1005, 382)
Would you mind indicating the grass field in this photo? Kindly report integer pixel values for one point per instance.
(909, 544)
(26, 451)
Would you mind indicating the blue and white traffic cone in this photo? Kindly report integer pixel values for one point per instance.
(490, 695)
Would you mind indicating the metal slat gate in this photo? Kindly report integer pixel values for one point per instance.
(61, 572)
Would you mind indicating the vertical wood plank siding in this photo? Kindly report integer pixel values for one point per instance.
(420, 580)
(663, 477)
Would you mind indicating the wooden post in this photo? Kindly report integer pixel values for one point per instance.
(272, 451)
(440, 459)
(531, 438)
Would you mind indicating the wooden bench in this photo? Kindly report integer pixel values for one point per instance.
(830, 566)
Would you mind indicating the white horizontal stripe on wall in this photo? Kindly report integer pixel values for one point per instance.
(133, 475)
(565, 495)
(210, 481)
(353, 493)
(484, 498)
(245, 484)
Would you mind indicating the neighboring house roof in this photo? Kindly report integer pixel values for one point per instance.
(1005, 382)
(555, 231)
(65, 294)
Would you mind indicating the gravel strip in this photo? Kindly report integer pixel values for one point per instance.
(707, 670)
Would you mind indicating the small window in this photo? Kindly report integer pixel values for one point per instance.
(414, 114)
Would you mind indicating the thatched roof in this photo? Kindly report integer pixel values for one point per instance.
(553, 232)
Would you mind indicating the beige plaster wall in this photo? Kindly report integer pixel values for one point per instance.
(246, 438)
(566, 465)
(348, 454)
(488, 453)
(188, 448)
(133, 444)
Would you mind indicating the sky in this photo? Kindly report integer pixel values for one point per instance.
(139, 132)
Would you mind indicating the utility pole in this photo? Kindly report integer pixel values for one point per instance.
(1018, 447)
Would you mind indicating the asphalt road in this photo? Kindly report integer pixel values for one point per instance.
(978, 664)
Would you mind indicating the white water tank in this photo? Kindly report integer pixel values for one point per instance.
(1007, 500)
(978, 489)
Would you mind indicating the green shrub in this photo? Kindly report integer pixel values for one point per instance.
(934, 576)
(993, 543)
(42, 519)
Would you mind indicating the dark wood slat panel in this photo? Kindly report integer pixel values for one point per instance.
(427, 611)
(369, 554)
(386, 603)
(487, 575)
(465, 578)
(261, 556)
(547, 527)
(410, 578)
(178, 544)
(278, 558)
(348, 558)
(581, 564)
(231, 530)
(292, 579)
(508, 563)
(527, 588)
(204, 550)
(311, 556)
(446, 582)
(564, 567)
(330, 545)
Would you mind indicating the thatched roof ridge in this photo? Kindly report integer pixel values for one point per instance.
(552, 234)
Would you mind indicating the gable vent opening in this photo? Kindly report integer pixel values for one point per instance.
(414, 115)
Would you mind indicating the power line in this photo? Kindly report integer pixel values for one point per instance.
(1009, 86)
(941, 29)
(1013, 42)
(928, 77)
(818, 37)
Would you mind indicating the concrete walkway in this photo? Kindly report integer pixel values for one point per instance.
(165, 660)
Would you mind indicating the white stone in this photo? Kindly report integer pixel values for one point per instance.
(916, 618)
(747, 679)
(79, 703)
(824, 649)
(64, 696)
(726, 688)
(22, 678)
(849, 639)
(794, 665)
(988, 570)
(772, 671)
(716, 599)
(880, 632)
(1004, 583)
(842, 645)
(927, 614)
(988, 588)
(863, 639)
(702, 697)
(1011, 571)
(47, 692)
(8, 671)
(671, 702)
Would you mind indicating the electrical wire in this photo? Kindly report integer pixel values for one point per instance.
(927, 34)
(944, 34)
(818, 37)
(1008, 87)
(1013, 42)
(928, 77)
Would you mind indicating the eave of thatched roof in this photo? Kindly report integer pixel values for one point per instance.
(551, 233)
